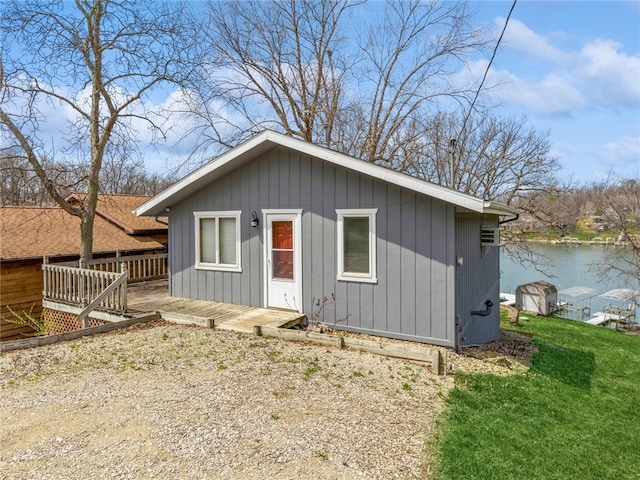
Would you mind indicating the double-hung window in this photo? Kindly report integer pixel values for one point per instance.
(357, 245)
(218, 240)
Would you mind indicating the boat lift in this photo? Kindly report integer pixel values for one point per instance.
(628, 298)
(576, 300)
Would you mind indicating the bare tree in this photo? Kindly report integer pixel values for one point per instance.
(124, 176)
(16, 186)
(19, 183)
(280, 66)
(620, 206)
(312, 69)
(408, 59)
(495, 158)
(95, 63)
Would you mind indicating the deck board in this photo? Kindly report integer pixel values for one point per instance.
(154, 297)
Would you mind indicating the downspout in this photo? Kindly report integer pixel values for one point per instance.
(502, 222)
(458, 333)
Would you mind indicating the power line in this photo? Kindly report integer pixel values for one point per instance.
(486, 72)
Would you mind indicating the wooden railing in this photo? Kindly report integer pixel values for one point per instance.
(116, 290)
(100, 283)
(140, 267)
(85, 287)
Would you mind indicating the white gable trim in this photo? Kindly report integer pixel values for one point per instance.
(269, 139)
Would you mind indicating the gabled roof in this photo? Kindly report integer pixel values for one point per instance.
(34, 232)
(266, 140)
(118, 209)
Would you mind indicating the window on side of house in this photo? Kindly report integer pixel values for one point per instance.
(357, 245)
(218, 241)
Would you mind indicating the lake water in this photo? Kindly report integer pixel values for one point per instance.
(569, 266)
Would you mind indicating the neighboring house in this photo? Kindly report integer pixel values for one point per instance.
(118, 210)
(27, 234)
(279, 222)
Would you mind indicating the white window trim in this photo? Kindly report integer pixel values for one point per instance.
(371, 277)
(219, 266)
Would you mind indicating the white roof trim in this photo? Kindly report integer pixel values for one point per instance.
(269, 139)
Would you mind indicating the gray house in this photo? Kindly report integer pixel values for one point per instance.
(279, 222)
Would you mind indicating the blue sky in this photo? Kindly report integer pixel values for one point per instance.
(573, 69)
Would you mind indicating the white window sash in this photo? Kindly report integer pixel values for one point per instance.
(371, 276)
(223, 237)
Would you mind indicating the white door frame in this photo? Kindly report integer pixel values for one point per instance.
(295, 215)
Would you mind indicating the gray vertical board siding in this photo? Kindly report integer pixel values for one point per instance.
(413, 297)
(339, 201)
(301, 170)
(295, 180)
(326, 266)
(350, 311)
(442, 291)
(172, 261)
(424, 295)
(179, 247)
(248, 233)
(273, 174)
(392, 245)
(312, 177)
(313, 286)
(380, 317)
(201, 285)
(285, 185)
(366, 306)
(451, 273)
(477, 280)
(408, 284)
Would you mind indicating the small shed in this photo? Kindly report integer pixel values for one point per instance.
(540, 297)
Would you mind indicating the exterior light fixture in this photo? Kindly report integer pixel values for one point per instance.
(254, 219)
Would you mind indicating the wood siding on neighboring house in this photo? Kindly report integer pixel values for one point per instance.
(20, 288)
(27, 233)
(414, 294)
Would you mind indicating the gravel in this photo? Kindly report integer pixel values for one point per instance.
(182, 402)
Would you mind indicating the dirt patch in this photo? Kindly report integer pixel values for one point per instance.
(511, 348)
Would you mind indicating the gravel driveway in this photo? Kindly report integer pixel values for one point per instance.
(179, 402)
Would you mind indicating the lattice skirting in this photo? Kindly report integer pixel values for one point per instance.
(62, 322)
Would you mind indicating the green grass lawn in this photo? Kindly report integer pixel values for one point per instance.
(574, 415)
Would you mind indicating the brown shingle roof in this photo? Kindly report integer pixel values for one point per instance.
(32, 232)
(118, 209)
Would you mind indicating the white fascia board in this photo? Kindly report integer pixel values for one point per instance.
(390, 176)
(191, 183)
(499, 209)
(268, 139)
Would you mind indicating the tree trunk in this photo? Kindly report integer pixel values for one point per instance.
(86, 234)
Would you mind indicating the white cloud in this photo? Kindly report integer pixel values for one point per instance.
(548, 80)
(624, 151)
(552, 95)
(610, 76)
(522, 39)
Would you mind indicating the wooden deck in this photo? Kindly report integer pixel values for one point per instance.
(149, 297)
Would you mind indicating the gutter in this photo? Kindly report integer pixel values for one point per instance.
(502, 222)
